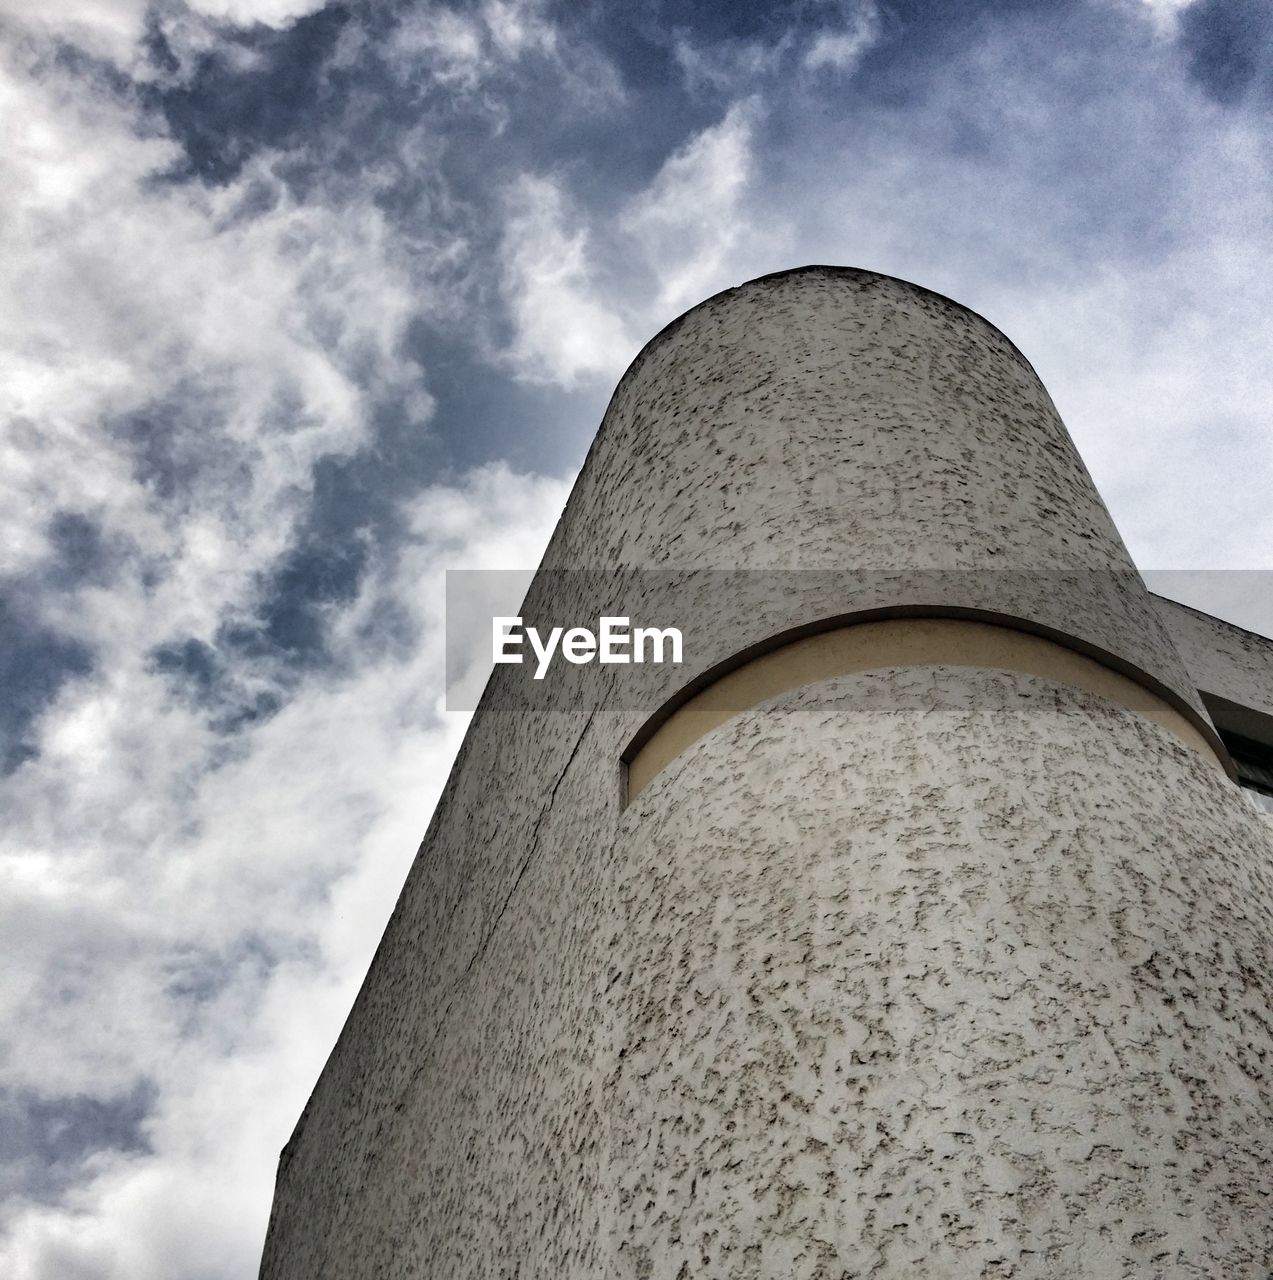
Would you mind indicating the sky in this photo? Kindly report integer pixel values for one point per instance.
(306, 303)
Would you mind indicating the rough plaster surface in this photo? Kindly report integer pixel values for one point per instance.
(943, 973)
(925, 971)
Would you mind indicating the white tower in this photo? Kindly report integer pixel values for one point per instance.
(914, 926)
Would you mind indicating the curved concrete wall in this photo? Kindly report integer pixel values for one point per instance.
(957, 973)
(928, 969)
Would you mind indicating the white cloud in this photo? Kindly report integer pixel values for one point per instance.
(113, 29)
(464, 49)
(246, 13)
(107, 28)
(1163, 15)
(517, 26)
(842, 48)
(726, 67)
(565, 330)
(279, 328)
(690, 224)
(180, 908)
(828, 37)
(579, 294)
(450, 45)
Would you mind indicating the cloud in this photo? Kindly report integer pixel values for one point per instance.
(1163, 14)
(563, 330)
(819, 39)
(114, 29)
(177, 366)
(451, 44)
(569, 286)
(841, 48)
(725, 67)
(105, 28)
(188, 909)
(465, 49)
(689, 224)
(244, 13)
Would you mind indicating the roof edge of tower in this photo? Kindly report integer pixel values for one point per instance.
(811, 268)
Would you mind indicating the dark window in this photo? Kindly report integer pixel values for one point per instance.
(1254, 761)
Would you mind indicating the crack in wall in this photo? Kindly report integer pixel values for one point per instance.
(534, 848)
(490, 932)
(374, 1149)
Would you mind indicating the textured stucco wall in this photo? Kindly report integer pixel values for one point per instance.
(959, 966)
(939, 972)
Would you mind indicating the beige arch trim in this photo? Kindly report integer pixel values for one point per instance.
(895, 642)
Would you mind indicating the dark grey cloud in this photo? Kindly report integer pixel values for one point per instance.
(45, 1142)
(1229, 47)
(36, 661)
(81, 552)
(260, 87)
(178, 445)
(202, 675)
